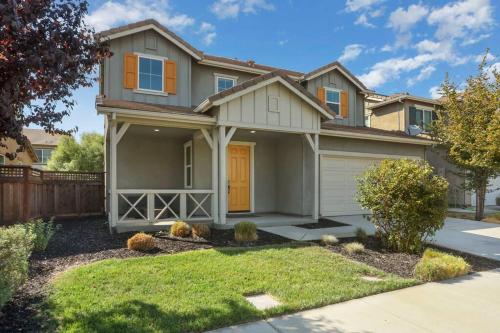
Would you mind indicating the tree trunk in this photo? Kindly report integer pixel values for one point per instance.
(480, 197)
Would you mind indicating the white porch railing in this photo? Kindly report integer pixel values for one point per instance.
(153, 206)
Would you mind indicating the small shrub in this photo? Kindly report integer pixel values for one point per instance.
(43, 232)
(16, 244)
(354, 247)
(180, 229)
(201, 230)
(245, 232)
(436, 265)
(408, 202)
(141, 242)
(329, 240)
(492, 218)
(361, 235)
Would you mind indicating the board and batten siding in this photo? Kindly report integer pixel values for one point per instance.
(113, 67)
(291, 114)
(336, 80)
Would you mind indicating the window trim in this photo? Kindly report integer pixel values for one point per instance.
(224, 76)
(190, 166)
(40, 161)
(151, 91)
(423, 109)
(339, 91)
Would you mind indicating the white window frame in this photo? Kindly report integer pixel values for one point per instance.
(188, 166)
(339, 103)
(226, 77)
(43, 149)
(2, 159)
(151, 91)
(423, 109)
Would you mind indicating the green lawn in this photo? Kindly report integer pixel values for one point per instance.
(200, 290)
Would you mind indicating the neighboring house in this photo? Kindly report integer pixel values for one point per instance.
(404, 112)
(205, 138)
(43, 144)
(26, 157)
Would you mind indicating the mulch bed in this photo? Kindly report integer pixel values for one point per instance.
(83, 241)
(322, 223)
(403, 264)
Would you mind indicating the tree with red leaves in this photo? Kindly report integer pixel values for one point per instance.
(46, 52)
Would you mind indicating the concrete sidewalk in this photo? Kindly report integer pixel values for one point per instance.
(467, 304)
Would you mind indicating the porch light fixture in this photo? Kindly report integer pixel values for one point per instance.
(252, 132)
(156, 130)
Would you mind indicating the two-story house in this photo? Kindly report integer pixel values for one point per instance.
(414, 115)
(206, 138)
(43, 144)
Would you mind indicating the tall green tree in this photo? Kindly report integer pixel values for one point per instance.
(468, 125)
(88, 155)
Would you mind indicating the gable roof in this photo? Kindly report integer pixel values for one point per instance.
(40, 137)
(399, 98)
(155, 25)
(335, 65)
(260, 81)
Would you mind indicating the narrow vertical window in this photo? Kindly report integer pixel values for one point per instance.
(2, 160)
(332, 99)
(188, 164)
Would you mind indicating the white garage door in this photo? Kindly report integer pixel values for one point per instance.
(338, 184)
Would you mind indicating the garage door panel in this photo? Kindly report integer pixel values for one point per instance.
(339, 186)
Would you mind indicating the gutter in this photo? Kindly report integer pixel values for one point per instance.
(375, 137)
(193, 119)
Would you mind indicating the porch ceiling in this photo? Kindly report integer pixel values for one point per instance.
(163, 132)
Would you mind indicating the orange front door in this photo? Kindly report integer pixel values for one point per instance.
(238, 177)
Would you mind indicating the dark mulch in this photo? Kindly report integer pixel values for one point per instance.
(322, 223)
(403, 264)
(83, 241)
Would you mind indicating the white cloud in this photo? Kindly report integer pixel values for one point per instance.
(208, 32)
(471, 41)
(434, 92)
(351, 52)
(424, 74)
(111, 14)
(363, 20)
(224, 9)
(457, 19)
(355, 5)
(489, 57)
(427, 45)
(493, 67)
(402, 20)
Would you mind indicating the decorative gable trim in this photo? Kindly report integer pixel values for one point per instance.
(330, 67)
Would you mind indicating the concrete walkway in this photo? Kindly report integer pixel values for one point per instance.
(468, 304)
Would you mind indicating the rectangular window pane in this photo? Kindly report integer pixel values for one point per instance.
(144, 65)
(156, 67)
(144, 81)
(223, 84)
(156, 82)
(39, 154)
(334, 107)
(427, 120)
(188, 155)
(2, 160)
(188, 176)
(332, 96)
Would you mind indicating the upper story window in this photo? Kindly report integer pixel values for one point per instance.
(332, 99)
(43, 155)
(422, 117)
(224, 82)
(2, 160)
(150, 74)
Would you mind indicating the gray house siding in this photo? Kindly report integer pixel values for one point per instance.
(335, 79)
(292, 113)
(203, 83)
(113, 68)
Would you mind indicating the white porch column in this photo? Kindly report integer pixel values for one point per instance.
(222, 175)
(316, 177)
(215, 175)
(113, 215)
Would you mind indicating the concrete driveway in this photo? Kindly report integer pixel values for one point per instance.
(467, 304)
(479, 238)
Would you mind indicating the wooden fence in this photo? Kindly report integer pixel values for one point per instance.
(30, 193)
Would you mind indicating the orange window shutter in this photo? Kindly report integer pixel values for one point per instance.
(170, 77)
(344, 104)
(321, 94)
(130, 71)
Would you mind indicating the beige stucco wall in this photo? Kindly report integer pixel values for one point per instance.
(253, 109)
(389, 117)
(22, 158)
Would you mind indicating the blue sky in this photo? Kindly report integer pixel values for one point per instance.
(392, 46)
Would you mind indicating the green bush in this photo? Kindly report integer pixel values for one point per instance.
(42, 231)
(354, 247)
(436, 265)
(408, 202)
(16, 243)
(245, 232)
(361, 235)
